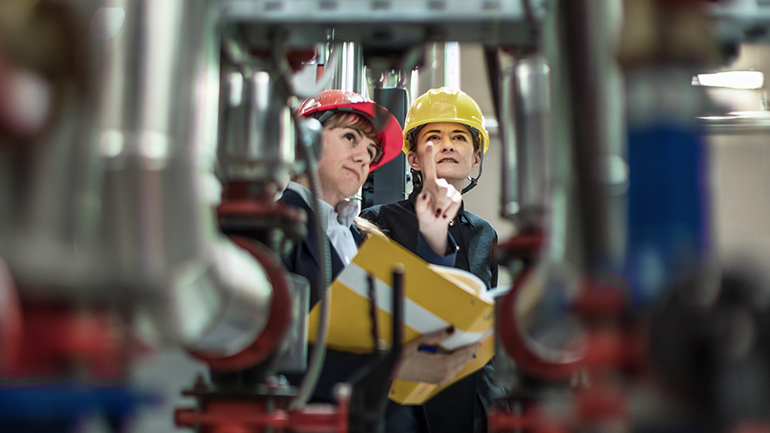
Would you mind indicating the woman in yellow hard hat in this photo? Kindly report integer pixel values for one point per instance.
(440, 107)
(444, 140)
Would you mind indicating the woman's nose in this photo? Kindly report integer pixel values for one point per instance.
(361, 154)
(446, 144)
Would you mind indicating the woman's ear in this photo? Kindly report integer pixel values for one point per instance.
(477, 158)
(414, 160)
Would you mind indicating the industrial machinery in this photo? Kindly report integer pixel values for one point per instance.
(143, 144)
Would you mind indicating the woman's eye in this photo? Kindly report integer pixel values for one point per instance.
(350, 137)
(432, 137)
(461, 138)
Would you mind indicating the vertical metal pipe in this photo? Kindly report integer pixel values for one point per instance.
(51, 221)
(414, 85)
(256, 138)
(527, 140)
(533, 101)
(452, 65)
(137, 140)
(507, 126)
(433, 66)
(159, 124)
(349, 74)
(583, 52)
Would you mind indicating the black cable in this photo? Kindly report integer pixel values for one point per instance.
(310, 380)
(475, 181)
(371, 288)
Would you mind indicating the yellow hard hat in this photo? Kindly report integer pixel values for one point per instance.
(446, 105)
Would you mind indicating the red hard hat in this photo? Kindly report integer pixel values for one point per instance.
(388, 130)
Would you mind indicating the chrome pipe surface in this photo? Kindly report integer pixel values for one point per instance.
(159, 124)
(256, 136)
(49, 228)
(350, 73)
(532, 99)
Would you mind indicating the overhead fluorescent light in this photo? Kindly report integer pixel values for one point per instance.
(731, 80)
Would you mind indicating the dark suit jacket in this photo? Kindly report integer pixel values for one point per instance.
(462, 407)
(305, 260)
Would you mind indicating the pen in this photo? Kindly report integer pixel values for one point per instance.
(431, 349)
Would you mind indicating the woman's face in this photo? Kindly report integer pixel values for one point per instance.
(453, 154)
(344, 164)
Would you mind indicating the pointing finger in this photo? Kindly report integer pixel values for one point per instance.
(455, 201)
(429, 165)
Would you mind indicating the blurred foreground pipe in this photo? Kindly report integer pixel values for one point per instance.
(200, 289)
(49, 227)
(582, 53)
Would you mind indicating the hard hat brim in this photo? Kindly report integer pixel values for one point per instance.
(483, 133)
(388, 129)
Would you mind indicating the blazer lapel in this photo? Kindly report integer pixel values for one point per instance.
(292, 198)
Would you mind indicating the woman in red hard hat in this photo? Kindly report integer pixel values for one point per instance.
(352, 148)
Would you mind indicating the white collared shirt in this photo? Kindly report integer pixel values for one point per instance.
(338, 222)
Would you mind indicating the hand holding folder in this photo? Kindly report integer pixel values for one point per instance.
(436, 298)
(424, 360)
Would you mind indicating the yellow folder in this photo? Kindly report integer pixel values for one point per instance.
(436, 297)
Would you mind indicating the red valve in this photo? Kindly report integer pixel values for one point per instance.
(10, 321)
(230, 415)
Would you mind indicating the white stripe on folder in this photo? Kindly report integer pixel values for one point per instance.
(416, 317)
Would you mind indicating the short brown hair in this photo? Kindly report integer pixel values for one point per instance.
(355, 121)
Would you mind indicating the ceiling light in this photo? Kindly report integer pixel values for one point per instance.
(731, 80)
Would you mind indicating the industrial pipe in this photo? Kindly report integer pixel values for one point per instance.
(526, 99)
(160, 114)
(350, 74)
(50, 195)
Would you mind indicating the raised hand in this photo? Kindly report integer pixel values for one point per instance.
(437, 367)
(436, 205)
